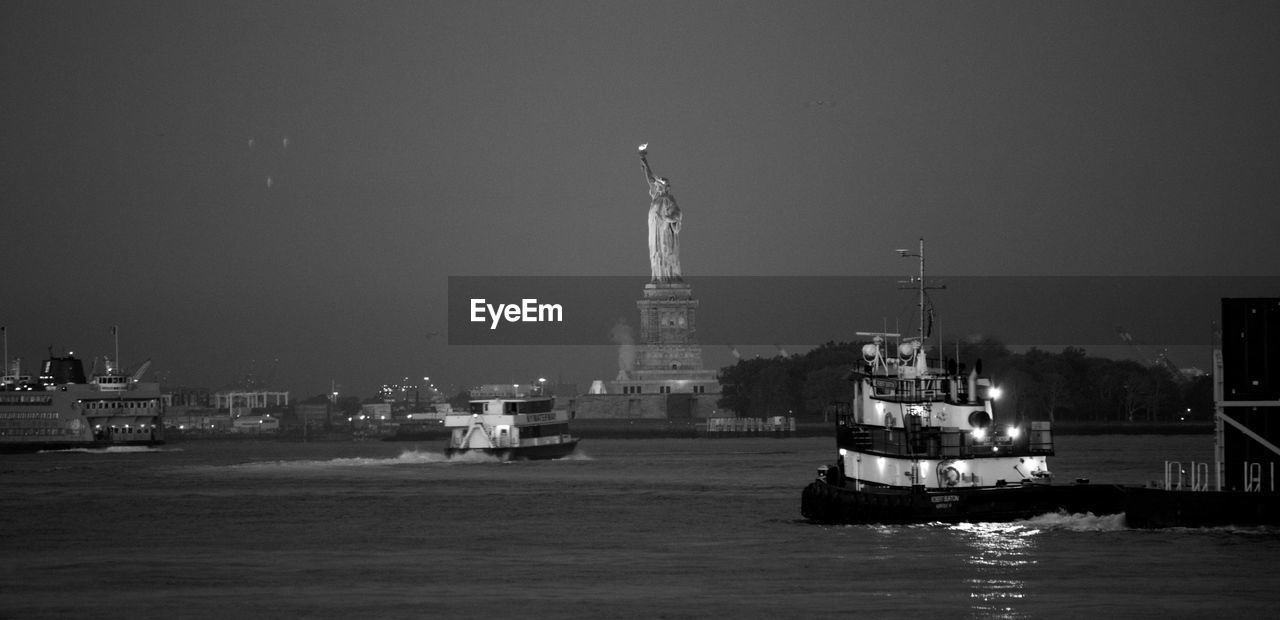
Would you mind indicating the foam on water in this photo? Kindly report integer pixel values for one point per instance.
(1062, 521)
(1056, 521)
(472, 458)
(115, 450)
(1087, 522)
(405, 458)
(408, 457)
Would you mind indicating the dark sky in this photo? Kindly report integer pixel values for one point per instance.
(430, 139)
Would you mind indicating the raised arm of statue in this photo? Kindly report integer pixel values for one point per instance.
(648, 172)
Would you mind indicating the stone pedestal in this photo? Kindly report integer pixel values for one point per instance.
(667, 327)
(668, 360)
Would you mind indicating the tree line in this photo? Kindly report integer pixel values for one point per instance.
(1036, 385)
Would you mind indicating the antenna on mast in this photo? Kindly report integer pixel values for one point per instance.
(919, 285)
(115, 333)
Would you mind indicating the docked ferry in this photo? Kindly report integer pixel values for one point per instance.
(63, 409)
(919, 443)
(518, 428)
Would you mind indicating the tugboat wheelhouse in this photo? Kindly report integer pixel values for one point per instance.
(911, 425)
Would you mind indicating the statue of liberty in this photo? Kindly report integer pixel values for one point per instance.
(664, 226)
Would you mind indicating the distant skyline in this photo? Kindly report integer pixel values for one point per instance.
(237, 183)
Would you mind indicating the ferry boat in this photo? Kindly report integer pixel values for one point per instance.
(62, 409)
(516, 428)
(919, 444)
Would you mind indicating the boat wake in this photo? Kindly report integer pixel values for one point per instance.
(114, 450)
(1056, 521)
(405, 458)
(1087, 522)
(408, 457)
(472, 458)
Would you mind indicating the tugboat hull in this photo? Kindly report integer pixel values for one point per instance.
(825, 503)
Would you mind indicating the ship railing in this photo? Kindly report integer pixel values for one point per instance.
(1193, 477)
(940, 443)
(1253, 477)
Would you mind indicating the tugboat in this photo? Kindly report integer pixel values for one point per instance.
(920, 444)
(515, 428)
(63, 410)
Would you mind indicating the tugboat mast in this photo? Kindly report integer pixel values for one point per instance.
(919, 281)
(920, 286)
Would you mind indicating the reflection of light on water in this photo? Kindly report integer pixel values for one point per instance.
(1000, 550)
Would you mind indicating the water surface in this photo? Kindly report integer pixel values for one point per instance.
(625, 528)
